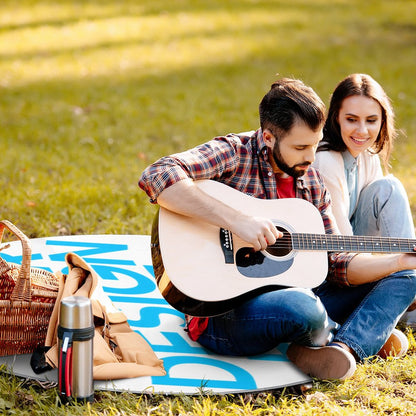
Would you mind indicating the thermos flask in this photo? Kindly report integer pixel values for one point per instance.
(75, 338)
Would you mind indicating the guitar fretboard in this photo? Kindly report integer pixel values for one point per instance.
(360, 244)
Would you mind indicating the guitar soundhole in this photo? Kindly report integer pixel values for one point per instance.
(283, 245)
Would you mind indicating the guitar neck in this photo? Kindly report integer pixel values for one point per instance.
(357, 244)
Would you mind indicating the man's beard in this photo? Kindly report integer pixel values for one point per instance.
(284, 167)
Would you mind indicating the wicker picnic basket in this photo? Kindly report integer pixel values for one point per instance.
(27, 298)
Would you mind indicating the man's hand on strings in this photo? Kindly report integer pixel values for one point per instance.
(258, 231)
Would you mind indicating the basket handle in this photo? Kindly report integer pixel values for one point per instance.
(21, 291)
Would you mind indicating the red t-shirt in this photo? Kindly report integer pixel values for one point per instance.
(285, 189)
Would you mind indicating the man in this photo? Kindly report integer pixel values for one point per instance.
(274, 162)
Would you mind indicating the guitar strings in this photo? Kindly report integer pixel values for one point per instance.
(356, 242)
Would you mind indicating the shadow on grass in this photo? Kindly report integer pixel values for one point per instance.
(108, 9)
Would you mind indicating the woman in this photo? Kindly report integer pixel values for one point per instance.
(358, 133)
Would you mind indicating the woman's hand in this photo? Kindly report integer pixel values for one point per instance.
(406, 261)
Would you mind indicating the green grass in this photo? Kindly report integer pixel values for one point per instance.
(378, 388)
(93, 91)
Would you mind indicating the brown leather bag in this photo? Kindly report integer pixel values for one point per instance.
(118, 351)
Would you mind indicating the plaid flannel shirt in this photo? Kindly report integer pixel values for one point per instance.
(241, 161)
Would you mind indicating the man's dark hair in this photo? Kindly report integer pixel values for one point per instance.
(288, 101)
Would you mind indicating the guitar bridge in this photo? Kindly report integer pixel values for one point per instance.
(226, 240)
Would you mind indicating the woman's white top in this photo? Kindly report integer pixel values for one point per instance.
(332, 169)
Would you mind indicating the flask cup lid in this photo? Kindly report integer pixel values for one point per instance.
(75, 312)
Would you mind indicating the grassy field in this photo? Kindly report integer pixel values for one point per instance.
(93, 91)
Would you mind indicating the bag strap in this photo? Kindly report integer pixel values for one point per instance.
(21, 291)
(100, 312)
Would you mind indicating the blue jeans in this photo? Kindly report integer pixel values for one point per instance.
(368, 313)
(383, 210)
(260, 324)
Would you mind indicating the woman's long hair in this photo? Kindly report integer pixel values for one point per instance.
(364, 85)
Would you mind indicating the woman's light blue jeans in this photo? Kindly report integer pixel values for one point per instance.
(383, 210)
(260, 324)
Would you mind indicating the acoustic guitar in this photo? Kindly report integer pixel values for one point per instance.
(204, 270)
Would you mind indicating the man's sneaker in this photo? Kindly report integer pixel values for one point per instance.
(396, 346)
(325, 363)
